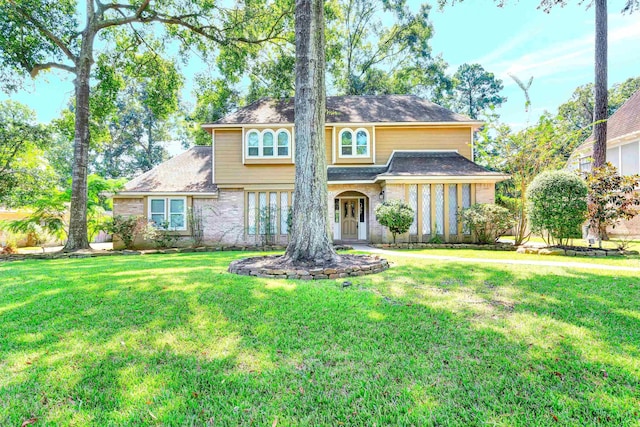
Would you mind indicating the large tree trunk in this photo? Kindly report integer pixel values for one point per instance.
(601, 102)
(77, 238)
(310, 241)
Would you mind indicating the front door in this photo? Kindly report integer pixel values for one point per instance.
(350, 217)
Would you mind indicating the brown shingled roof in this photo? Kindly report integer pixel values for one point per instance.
(412, 164)
(189, 172)
(349, 109)
(624, 121)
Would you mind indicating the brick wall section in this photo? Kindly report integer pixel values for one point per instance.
(626, 229)
(129, 207)
(485, 193)
(223, 217)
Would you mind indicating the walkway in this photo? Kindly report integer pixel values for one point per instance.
(584, 265)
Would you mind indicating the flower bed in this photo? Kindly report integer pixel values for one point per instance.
(484, 247)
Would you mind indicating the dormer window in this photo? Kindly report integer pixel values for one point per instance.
(354, 143)
(268, 143)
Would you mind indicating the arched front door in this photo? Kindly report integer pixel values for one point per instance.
(351, 216)
(350, 212)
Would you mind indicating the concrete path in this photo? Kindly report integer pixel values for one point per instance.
(497, 261)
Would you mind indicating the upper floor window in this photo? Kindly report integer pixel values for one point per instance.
(354, 143)
(268, 143)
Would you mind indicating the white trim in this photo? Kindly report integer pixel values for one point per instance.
(351, 182)
(373, 143)
(354, 144)
(213, 156)
(473, 154)
(167, 210)
(476, 123)
(129, 194)
(333, 145)
(452, 179)
(261, 133)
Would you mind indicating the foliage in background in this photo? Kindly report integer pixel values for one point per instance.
(475, 90)
(396, 215)
(577, 112)
(612, 198)
(557, 206)
(23, 172)
(487, 222)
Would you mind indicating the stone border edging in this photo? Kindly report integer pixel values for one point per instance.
(377, 265)
(495, 247)
(570, 252)
(92, 254)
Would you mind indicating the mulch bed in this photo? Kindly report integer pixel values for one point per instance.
(275, 267)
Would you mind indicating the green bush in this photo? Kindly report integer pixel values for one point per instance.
(396, 215)
(487, 222)
(557, 206)
(126, 228)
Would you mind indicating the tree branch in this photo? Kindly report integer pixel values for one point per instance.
(48, 65)
(48, 34)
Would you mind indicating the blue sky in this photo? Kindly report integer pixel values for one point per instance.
(555, 49)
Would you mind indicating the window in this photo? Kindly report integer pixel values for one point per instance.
(268, 212)
(453, 209)
(354, 143)
(585, 164)
(426, 209)
(439, 226)
(253, 143)
(466, 203)
(413, 202)
(268, 143)
(169, 213)
(283, 143)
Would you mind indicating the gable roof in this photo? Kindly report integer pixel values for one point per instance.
(429, 164)
(625, 121)
(349, 109)
(189, 172)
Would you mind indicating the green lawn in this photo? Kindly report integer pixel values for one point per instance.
(175, 340)
(626, 261)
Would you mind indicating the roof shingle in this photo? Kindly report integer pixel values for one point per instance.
(189, 172)
(349, 109)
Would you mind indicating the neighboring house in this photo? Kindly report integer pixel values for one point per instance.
(623, 151)
(378, 148)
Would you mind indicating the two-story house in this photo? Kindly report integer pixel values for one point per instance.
(378, 148)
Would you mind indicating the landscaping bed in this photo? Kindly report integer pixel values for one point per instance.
(275, 267)
(478, 246)
(574, 251)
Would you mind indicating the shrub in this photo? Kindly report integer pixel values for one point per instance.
(161, 235)
(396, 215)
(612, 198)
(487, 222)
(195, 223)
(127, 228)
(557, 206)
(9, 248)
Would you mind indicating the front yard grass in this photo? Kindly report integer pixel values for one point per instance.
(626, 261)
(175, 340)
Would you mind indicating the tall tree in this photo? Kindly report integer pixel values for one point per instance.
(43, 35)
(310, 241)
(600, 106)
(475, 90)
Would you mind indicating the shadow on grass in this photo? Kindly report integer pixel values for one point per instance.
(174, 340)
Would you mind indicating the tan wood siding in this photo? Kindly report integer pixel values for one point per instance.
(329, 143)
(230, 170)
(421, 138)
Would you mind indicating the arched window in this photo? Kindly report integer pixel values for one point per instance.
(268, 143)
(283, 143)
(253, 143)
(354, 143)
